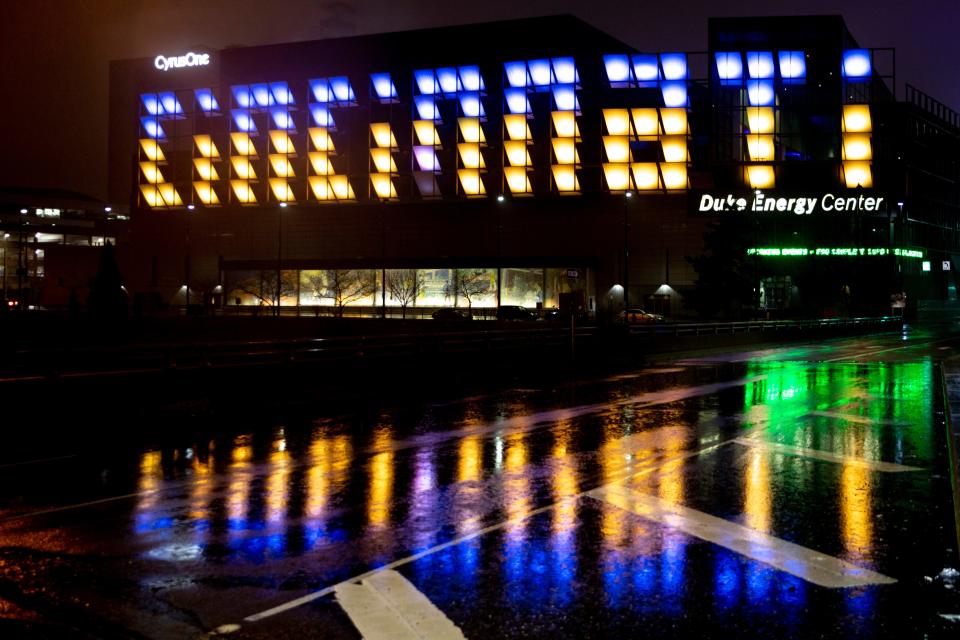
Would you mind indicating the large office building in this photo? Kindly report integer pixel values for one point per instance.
(536, 162)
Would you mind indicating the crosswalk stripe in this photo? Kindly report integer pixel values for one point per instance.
(829, 456)
(794, 559)
(386, 606)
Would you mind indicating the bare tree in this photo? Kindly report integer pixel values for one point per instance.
(467, 283)
(404, 286)
(262, 285)
(343, 286)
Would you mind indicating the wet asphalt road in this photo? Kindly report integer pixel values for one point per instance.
(796, 492)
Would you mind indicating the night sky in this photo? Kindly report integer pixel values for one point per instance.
(55, 54)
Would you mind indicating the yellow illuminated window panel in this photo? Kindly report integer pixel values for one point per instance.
(856, 118)
(205, 146)
(617, 121)
(617, 176)
(645, 122)
(426, 132)
(857, 174)
(856, 146)
(565, 151)
(565, 178)
(617, 148)
(674, 121)
(517, 154)
(205, 193)
(242, 168)
(760, 119)
(282, 142)
(282, 166)
(565, 124)
(321, 163)
(760, 147)
(517, 128)
(168, 195)
(243, 145)
(517, 180)
(242, 192)
(151, 173)
(151, 195)
(674, 148)
(470, 130)
(205, 169)
(760, 176)
(332, 188)
(470, 182)
(281, 190)
(645, 175)
(674, 175)
(341, 188)
(470, 155)
(152, 150)
(383, 185)
(321, 139)
(382, 135)
(383, 160)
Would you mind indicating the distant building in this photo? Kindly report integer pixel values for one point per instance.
(542, 158)
(50, 243)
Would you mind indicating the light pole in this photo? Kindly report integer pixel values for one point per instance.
(626, 250)
(283, 205)
(186, 264)
(500, 204)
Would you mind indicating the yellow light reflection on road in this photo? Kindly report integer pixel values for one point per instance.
(564, 481)
(238, 493)
(381, 481)
(856, 492)
(278, 482)
(756, 498)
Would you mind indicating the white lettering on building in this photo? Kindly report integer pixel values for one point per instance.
(763, 203)
(190, 59)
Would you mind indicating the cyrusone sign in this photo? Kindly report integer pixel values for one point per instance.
(189, 59)
(760, 202)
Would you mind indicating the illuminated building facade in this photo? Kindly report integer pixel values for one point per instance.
(531, 162)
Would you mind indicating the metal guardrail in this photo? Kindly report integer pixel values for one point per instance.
(761, 326)
(155, 358)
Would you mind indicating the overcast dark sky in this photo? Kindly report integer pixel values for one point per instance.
(55, 53)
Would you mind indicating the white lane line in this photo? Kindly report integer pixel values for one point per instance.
(528, 422)
(638, 471)
(829, 456)
(852, 417)
(807, 564)
(386, 606)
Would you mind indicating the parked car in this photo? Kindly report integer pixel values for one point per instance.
(451, 314)
(515, 312)
(638, 316)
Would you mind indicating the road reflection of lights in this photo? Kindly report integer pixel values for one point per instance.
(381, 481)
(329, 459)
(757, 495)
(176, 552)
(238, 491)
(146, 518)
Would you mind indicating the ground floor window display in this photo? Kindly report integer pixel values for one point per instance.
(463, 287)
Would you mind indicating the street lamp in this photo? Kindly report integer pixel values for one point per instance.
(626, 250)
(283, 205)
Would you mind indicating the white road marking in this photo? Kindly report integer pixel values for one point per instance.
(791, 558)
(852, 417)
(386, 606)
(829, 456)
(529, 422)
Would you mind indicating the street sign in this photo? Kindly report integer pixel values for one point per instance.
(946, 265)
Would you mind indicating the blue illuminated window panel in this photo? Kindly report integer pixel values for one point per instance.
(516, 73)
(793, 66)
(760, 65)
(645, 69)
(618, 69)
(674, 66)
(856, 63)
(206, 100)
(729, 67)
